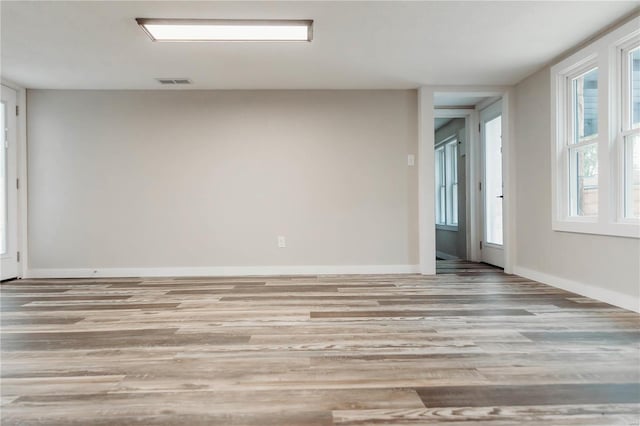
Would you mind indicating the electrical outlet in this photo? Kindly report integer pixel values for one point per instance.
(411, 160)
(282, 242)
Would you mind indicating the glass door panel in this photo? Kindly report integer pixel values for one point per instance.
(493, 181)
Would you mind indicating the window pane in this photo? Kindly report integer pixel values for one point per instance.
(454, 161)
(585, 106)
(442, 212)
(452, 180)
(634, 71)
(454, 204)
(3, 183)
(454, 183)
(584, 180)
(632, 176)
(440, 186)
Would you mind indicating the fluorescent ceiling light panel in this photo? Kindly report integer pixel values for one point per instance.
(226, 29)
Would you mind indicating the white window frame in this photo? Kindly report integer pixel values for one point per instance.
(451, 156)
(572, 142)
(626, 129)
(605, 54)
(441, 186)
(449, 149)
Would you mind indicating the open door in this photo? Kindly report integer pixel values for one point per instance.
(491, 186)
(8, 185)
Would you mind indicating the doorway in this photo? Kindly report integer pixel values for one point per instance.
(466, 102)
(8, 185)
(491, 186)
(450, 191)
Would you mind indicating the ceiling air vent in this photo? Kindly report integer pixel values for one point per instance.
(173, 80)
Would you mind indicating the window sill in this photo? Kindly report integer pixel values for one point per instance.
(627, 230)
(447, 228)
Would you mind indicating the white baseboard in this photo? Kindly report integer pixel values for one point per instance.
(605, 295)
(221, 271)
(446, 256)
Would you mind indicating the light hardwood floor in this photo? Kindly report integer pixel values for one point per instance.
(471, 345)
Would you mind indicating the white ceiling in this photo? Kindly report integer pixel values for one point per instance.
(357, 45)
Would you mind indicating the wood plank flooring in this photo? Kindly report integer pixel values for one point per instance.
(468, 346)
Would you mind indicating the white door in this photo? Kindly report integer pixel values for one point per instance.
(491, 187)
(8, 185)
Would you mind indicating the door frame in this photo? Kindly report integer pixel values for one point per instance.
(471, 118)
(21, 141)
(426, 184)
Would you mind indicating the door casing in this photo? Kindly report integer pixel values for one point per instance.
(426, 188)
(9, 267)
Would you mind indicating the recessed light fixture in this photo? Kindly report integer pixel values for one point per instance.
(226, 29)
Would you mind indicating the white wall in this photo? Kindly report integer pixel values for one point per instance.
(151, 179)
(603, 267)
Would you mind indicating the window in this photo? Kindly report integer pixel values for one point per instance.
(441, 187)
(630, 134)
(632, 57)
(452, 188)
(582, 144)
(446, 157)
(596, 136)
